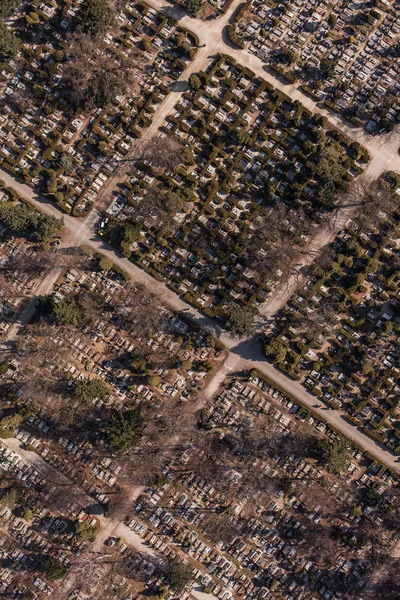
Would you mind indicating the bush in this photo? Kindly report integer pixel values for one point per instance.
(154, 380)
(3, 368)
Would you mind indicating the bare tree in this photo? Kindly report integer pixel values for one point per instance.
(162, 152)
(317, 543)
(322, 262)
(277, 245)
(42, 261)
(140, 310)
(95, 74)
(370, 200)
(159, 205)
(384, 583)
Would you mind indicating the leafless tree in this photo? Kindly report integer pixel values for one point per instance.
(219, 527)
(91, 565)
(42, 261)
(317, 543)
(278, 245)
(370, 200)
(95, 74)
(140, 310)
(40, 344)
(322, 262)
(162, 152)
(384, 582)
(159, 205)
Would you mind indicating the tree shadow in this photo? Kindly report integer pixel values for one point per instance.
(179, 86)
(173, 12)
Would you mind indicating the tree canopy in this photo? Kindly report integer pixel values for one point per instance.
(180, 575)
(54, 569)
(122, 429)
(7, 7)
(22, 220)
(333, 454)
(66, 312)
(85, 531)
(240, 320)
(95, 16)
(8, 41)
(88, 390)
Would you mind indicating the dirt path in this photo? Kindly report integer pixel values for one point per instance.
(246, 353)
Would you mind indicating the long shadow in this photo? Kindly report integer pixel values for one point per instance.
(179, 86)
(173, 12)
(227, 40)
(376, 442)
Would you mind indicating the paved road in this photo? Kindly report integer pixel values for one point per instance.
(248, 353)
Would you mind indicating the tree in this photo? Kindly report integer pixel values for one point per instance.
(16, 217)
(162, 152)
(92, 78)
(45, 227)
(25, 221)
(386, 584)
(332, 20)
(179, 575)
(8, 41)
(27, 514)
(333, 454)
(331, 170)
(154, 380)
(240, 320)
(122, 429)
(105, 264)
(139, 364)
(370, 200)
(140, 310)
(276, 350)
(7, 7)
(85, 531)
(95, 16)
(66, 312)
(88, 390)
(54, 569)
(161, 205)
(327, 67)
(186, 365)
(276, 246)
